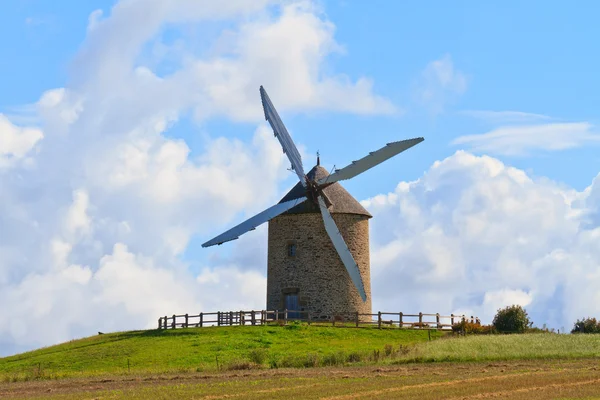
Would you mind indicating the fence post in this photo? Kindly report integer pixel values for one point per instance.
(165, 321)
(218, 318)
(201, 318)
(437, 320)
(263, 317)
(241, 319)
(230, 317)
(400, 323)
(357, 319)
(379, 319)
(174, 318)
(253, 317)
(160, 323)
(308, 318)
(452, 319)
(421, 320)
(285, 316)
(186, 320)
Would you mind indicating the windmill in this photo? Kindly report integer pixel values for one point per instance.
(311, 192)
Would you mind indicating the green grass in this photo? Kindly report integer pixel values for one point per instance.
(507, 347)
(205, 349)
(298, 346)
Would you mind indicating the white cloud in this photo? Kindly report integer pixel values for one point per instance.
(77, 219)
(15, 142)
(473, 235)
(285, 54)
(521, 140)
(495, 300)
(96, 222)
(440, 84)
(504, 117)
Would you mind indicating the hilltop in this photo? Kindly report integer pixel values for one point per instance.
(206, 349)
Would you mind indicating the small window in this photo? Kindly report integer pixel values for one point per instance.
(291, 250)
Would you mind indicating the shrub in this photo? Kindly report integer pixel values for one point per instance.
(388, 350)
(375, 356)
(290, 361)
(257, 356)
(586, 325)
(333, 359)
(403, 349)
(473, 328)
(356, 357)
(512, 319)
(311, 360)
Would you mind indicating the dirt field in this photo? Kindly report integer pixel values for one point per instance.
(516, 380)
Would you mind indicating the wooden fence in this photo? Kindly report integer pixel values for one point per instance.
(265, 317)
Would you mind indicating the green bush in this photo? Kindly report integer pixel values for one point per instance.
(258, 356)
(333, 359)
(512, 319)
(311, 360)
(290, 361)
(355, 356)
(388, 350)
(586, 325)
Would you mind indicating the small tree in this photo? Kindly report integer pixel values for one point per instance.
(512, 319)
(586, 325)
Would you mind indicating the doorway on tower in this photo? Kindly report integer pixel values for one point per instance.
(292, 305)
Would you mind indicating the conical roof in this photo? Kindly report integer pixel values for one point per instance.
(341, 201)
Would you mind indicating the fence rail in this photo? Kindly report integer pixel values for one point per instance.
(266, 317)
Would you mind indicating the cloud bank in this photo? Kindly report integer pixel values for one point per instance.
(474, 235)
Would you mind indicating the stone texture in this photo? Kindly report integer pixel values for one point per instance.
(316, 272)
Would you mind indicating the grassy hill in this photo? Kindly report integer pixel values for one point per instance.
(203, 349)
(245, 347)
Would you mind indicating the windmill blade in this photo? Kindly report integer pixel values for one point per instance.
(289, 148)
(342, 249)
(374, 158)
(252, 223)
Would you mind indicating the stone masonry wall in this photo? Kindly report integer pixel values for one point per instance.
(316, 273)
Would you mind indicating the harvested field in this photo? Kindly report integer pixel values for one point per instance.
(534, 379)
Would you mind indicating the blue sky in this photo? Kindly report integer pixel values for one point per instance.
(535, 57)
(128, 125)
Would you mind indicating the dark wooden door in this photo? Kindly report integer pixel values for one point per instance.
(291, 303)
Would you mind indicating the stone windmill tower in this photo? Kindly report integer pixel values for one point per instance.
(304, 270)
(318, 257)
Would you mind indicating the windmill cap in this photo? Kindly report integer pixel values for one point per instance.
(342, 202)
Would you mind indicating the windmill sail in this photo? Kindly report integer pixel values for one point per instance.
(289, 148)
(342, 249)
(374, 158)
(253, 222)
